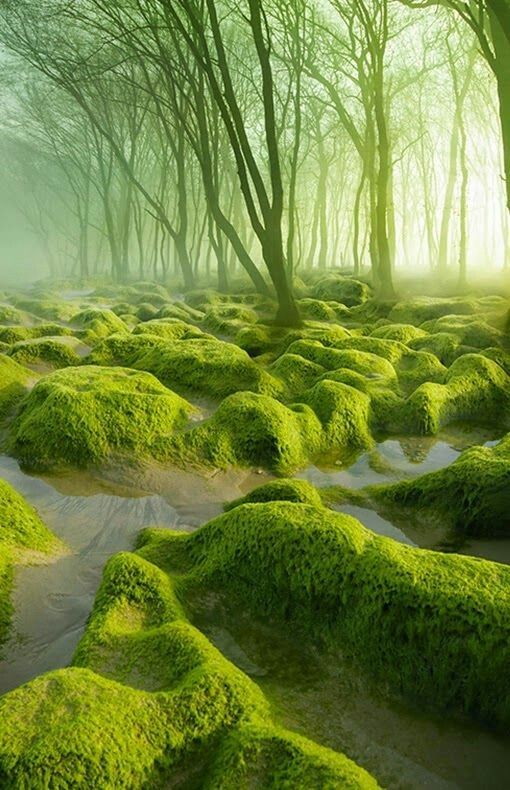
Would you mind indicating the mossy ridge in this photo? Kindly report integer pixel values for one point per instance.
(17, 334)
(22, 533)
(48, 307)
(199, 365)
(249, 429)
(258, 339)
(346, 290)
(84, 415)
(170, 329)
(425, 308)
(475, 389)
(472, 494)
(14, 383)
(283, 490)
(435, 628)
(95, 324)
(181, 311)
(75, 727)
(51, 352)
(403, 333)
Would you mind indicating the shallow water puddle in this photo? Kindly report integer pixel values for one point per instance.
(52, 601)
(325, 699)
(95, 518)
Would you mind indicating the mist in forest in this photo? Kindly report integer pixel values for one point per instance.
(202, 143)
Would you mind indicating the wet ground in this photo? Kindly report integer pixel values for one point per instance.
(321, 697)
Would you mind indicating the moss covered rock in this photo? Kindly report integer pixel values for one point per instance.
(170, 329)
(96, 324)
(403, 333)
(334, 287)
(22, 535)
(254, 430)
(472, 494)
(475, 389)
(14, 383)
(424, 308)
(84, 415)
(283, 490)
(50, 352)
(167, 709)
(433, 627)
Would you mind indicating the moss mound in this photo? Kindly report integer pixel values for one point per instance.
(51, 352)
(254, 430)
(21, 532)
(334, 287)
(298, 374)
(201, 365)
(363, 362)
(228, 318)
(319, 310)
(249, 429)
(47, 307)
(403, 333)
(14, 382)
(96, 324)
(444, 345)
(475, 389)
(424, 308)
(472, 494)
(166, 710)
(181, 311)
(16, 334)
(284, 490)
(434, 627)
(82, 416)
(170, 329)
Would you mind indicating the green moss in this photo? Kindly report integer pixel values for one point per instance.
(297, 373)
(444, 345)
(283, 490)
(475, 389)
(432, 627)
(52, 352)
(166, 710)
(21, 534)
(10, 334)
(362, 362)
(170, 329)
(277, 760)
(418, 367)
(472, 494)
(96, 324)
(254, 430)
(181, 311)
(11, 315)
(83, 415)
(391, 350)
(146, 312)
(14, 382)
(475, 334)
(228, 318)
(334, 287)
(403, 333)
(417, 311)
(318, 309)
(344, 413)
(49, 307)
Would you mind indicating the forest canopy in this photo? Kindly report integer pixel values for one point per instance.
(201, 140)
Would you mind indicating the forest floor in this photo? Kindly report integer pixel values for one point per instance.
(259, 557)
